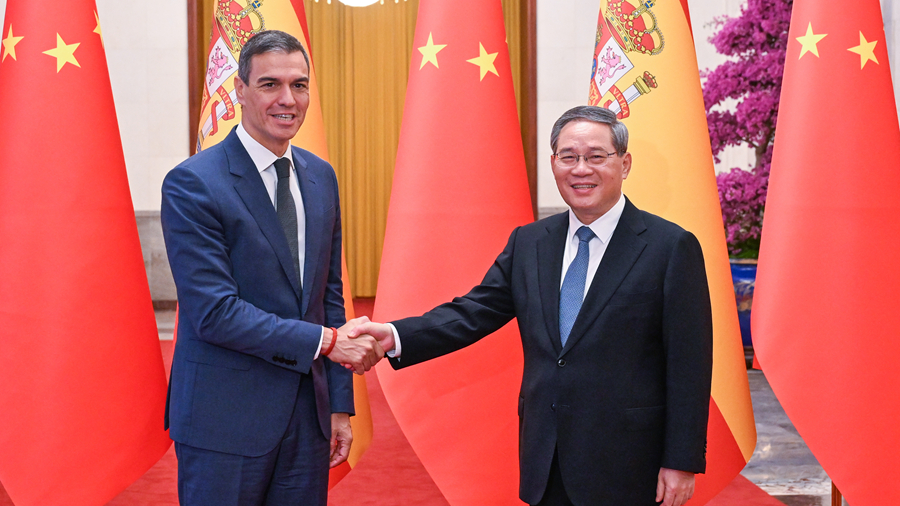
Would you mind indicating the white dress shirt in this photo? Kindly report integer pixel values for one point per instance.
(264, 160)
(265, 164)
(603, 228)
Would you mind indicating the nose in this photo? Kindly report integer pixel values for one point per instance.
(286, 97)
(581, 167)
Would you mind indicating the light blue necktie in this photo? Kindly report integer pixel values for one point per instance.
(571, 295)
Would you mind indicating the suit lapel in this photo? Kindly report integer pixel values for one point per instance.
(624, 248)
(252, 190)
(312, 206)
(550, 257)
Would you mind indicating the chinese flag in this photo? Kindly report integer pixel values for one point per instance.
(82, 389)
(232, 26)
(825, 315)
(459, 189)
(645, 70)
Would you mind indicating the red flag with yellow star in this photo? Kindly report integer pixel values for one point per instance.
(459, 189)
(82, 389)
(824, 313)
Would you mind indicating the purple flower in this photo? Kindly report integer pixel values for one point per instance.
(756, 40)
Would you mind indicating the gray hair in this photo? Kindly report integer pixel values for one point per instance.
(597, 115)
(268, 41)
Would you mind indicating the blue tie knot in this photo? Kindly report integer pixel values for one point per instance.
(585, 234)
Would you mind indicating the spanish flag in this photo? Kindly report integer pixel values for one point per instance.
(233, 24)
(825, 313)
(645, 70)
(82, 384)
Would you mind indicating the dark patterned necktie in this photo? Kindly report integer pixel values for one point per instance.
(286, 210)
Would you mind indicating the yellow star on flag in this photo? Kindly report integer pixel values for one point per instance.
(429, 52)
(485, 62)
(97, 30)
(64, 53)
(865, 50)
(9, 44)
(809, 42)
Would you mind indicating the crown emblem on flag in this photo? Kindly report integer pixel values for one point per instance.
(635, 26)
(237, 25)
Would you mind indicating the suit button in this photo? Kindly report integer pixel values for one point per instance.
(553, 407)
(561, 362)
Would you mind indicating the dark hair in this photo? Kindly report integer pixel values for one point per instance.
(597, 115)
(269, 41)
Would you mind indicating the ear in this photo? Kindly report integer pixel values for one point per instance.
(239, 89)
(626, 165)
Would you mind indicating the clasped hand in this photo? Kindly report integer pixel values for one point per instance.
(361, 344)
(358, 354)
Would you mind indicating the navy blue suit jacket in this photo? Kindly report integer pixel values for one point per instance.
(247, 334)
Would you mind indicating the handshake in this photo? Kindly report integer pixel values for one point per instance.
(359, 344)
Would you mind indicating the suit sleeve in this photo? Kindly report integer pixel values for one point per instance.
(457, 324)
(340, 380)
(687, 340)
(209, 297)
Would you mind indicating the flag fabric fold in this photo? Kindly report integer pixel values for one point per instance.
(82, 388)
(232, 25)
(645, 70)
(824, 319)
(459, 189)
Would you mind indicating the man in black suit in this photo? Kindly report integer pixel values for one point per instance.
(614, 312)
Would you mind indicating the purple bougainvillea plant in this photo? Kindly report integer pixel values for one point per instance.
(741, 98)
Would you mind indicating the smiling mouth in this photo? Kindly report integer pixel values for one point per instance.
(583, 186)
(286, 117)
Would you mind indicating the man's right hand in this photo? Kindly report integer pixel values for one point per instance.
(382, 332)
(360, 353)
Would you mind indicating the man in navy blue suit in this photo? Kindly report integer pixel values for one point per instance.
(253, 234)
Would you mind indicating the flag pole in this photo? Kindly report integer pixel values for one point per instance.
(836, 498)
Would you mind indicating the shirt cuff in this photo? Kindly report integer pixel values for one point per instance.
(321, 340)
(396, 351)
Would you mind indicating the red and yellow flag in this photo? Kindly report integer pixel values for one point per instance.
(645, 70)
(459, 189)
(233, 24)
(824, 316)
(82, 387)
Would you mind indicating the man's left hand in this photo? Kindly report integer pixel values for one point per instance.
(341, 438)
(674, 487)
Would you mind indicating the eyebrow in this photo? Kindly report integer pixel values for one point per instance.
(572, 150)
(265, 79)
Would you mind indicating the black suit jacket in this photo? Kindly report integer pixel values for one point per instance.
(629, 393)
(247, 333)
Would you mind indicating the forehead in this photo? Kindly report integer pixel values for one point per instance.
(278, 64)
(585, 133)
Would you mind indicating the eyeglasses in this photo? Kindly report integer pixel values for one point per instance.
(594, 159)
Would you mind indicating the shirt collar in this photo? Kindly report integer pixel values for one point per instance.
(604, 226)
(261, 156)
